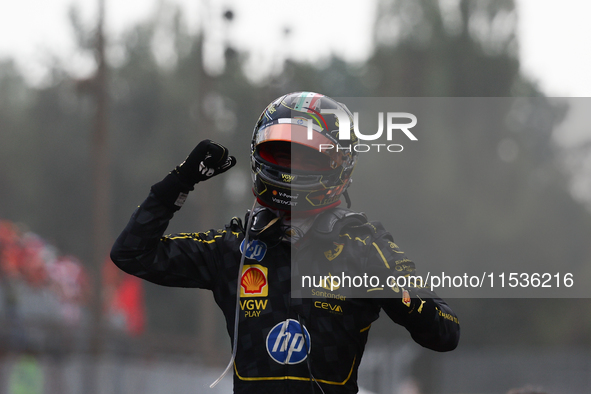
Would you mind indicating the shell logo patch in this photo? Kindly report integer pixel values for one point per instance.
(253, 282)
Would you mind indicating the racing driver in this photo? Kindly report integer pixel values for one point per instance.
(288, 340)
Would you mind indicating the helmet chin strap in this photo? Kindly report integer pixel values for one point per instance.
(237, 314)
(347, 199)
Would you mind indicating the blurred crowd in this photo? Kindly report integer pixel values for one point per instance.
(27, 258)
(31, 265)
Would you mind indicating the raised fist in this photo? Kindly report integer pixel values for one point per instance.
(208, 159)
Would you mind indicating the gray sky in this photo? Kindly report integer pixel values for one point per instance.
(554, 37)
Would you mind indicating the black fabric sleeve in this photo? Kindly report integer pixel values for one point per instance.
(427, 317)
(181, 260)
(429, 320)
(172, 191)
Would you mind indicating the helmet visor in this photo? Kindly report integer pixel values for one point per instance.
(304, 136)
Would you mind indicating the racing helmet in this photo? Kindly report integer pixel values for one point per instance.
(299, 160)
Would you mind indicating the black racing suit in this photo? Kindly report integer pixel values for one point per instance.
(275, 329)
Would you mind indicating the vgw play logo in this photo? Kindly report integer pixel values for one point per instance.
(288, 342)
(345, 130)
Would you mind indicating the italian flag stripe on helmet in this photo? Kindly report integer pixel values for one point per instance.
(307, 100)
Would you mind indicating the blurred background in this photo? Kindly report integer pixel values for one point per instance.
(99, 100)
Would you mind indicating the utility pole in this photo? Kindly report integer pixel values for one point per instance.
(207, 327)
(101, 209)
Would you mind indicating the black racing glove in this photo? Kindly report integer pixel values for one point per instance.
(207, 160)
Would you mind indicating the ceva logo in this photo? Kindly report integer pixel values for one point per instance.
(288, 342)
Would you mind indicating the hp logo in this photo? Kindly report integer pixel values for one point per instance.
(288, 342)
